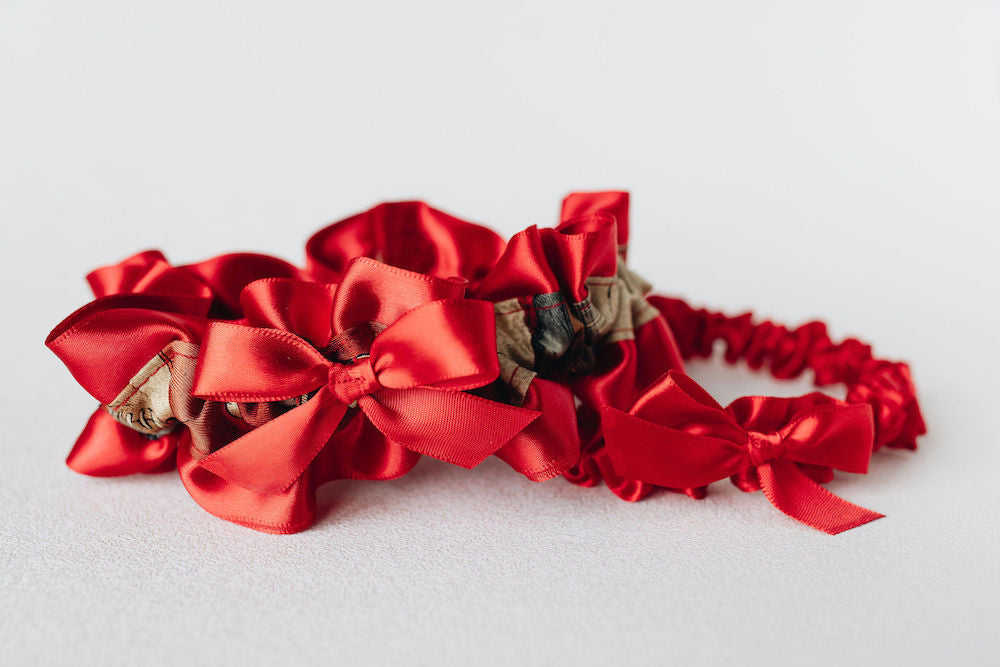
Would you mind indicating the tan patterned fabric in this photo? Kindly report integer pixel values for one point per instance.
(513, 333)
(614, 308)
(209, 422)
(621, 302)
(516, 377)
(144, 404)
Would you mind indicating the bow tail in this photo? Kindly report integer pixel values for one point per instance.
(797, 495)
(270, 458)
(289, 511)
(105, 448)
(449, 425)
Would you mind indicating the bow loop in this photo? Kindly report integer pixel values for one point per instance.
(251, 364)
(677, 400)
(371, 291)
(446, 344)
(288, 304)
(831, 434)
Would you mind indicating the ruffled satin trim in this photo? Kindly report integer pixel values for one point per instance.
(576, 334)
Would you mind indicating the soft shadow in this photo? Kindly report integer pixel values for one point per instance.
(337, 500)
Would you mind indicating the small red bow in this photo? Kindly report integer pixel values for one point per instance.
(410, 387)
(677, 436)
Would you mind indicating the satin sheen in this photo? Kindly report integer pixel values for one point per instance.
(410, 388)
(149, 284)
(384, 349)
(677, 436)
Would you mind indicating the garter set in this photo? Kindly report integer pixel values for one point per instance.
(411, 332)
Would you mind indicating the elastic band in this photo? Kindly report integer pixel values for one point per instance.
(787, 353)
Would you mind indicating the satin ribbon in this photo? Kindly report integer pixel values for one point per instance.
(410, 235)
(677, 436)
(124, 317)
(615, 203)
(410, 388)
(103, 344)
(146, 272)
(622, 368)
(788, 352)
(106, 448)
(218, 280)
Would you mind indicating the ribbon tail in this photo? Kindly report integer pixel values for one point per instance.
(449, 425)
(797, 495)
(270, 458)
(289, 511)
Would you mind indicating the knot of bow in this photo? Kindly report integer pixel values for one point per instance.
(411, 388)
(677, 436)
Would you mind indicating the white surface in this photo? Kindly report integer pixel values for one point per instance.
(802, 158)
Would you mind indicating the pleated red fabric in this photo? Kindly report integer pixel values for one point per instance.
(107, 447)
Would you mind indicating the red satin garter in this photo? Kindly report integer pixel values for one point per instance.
(411, 332)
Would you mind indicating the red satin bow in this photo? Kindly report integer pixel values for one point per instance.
(410, 388)
(677, 436)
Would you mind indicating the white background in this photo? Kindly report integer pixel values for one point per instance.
(806, 159)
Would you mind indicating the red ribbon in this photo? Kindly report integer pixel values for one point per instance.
(103, 344)
(409, 235)
(677, 436)
(106, 448)
(410, 388)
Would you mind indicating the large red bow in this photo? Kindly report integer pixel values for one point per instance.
(677, 436)
(410, 388)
